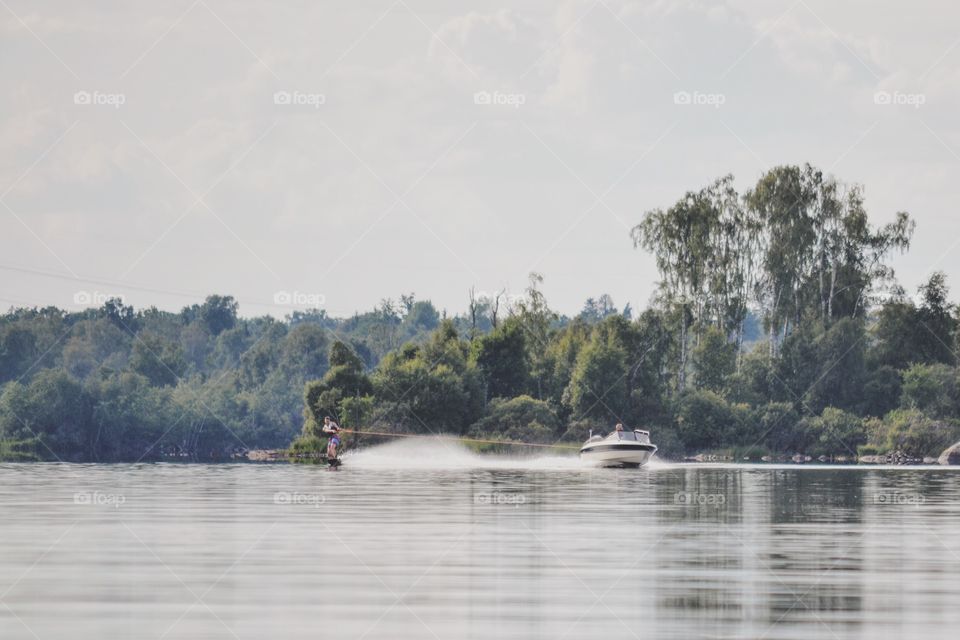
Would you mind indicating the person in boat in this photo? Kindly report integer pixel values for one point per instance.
(333, 429)
(619, 429)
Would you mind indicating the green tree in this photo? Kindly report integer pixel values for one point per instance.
(121, 315)
(911, 432)
(501, 356)
(935, 315)
(537, 320)
(820, 254)
(434, 388)
(595, 310)
(563, 350)
(777, 426)
(344, 379)
(230, 347)
(881, 391)
(819, 367)
(835, 431)
(421, 317)
(160, 361)
(933, 389)
(679, 238)
(218, 313)
(895, 335)
(522, 419)
(841, 352)
(304, 353)
(598, 387)
(756, 382)
(18, 351)
(647, 381)
(714, 360)
(707, 421)
(129, 417)
(53, 408)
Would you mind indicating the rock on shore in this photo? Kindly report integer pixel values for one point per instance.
(895, 457)
(951, 455)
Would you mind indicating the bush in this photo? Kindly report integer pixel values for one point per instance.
(669, 445)
(835, 432)
(913, 433)
(876, 430)
(307, 447)
(868, 450)
(18, 450)
(752, 384)
(522, 419)
(932, 389)
(881, 391)
(777, 426)
(707, 421)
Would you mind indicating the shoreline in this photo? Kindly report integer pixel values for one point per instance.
(654, 466)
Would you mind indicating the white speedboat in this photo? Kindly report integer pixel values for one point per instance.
(619, 449)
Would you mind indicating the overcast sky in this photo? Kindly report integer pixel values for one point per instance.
(350, 151)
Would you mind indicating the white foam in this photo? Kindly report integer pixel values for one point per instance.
(431, 452)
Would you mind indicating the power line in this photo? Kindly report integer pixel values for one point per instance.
(135, 287)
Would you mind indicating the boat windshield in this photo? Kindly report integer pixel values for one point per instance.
(626, 435)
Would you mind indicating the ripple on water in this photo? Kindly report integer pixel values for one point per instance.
(408, 542)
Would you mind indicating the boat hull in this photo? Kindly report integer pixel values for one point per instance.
(617, 455)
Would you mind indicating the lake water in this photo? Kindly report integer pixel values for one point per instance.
(464, 546)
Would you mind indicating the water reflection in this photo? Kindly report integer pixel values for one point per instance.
(507, 550)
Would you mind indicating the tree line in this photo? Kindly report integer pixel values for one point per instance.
(115, 383)
(777, 327)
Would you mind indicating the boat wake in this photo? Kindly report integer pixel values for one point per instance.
(439, 453)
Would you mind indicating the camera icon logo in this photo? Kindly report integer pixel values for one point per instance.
(882, 97)
(82, 297)
(483, 97)
(282, 97)
(82, 97)
(682, 97)
(282, 297)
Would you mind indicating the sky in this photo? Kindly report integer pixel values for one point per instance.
(333, 154)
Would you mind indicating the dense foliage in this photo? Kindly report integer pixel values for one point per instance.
(777, 327)
(844, 359)
(118, 384)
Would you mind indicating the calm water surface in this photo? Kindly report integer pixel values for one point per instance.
(468, 547)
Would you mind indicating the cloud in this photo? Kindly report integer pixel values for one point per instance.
(487, 48)
(597, 80)
(811, 48)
